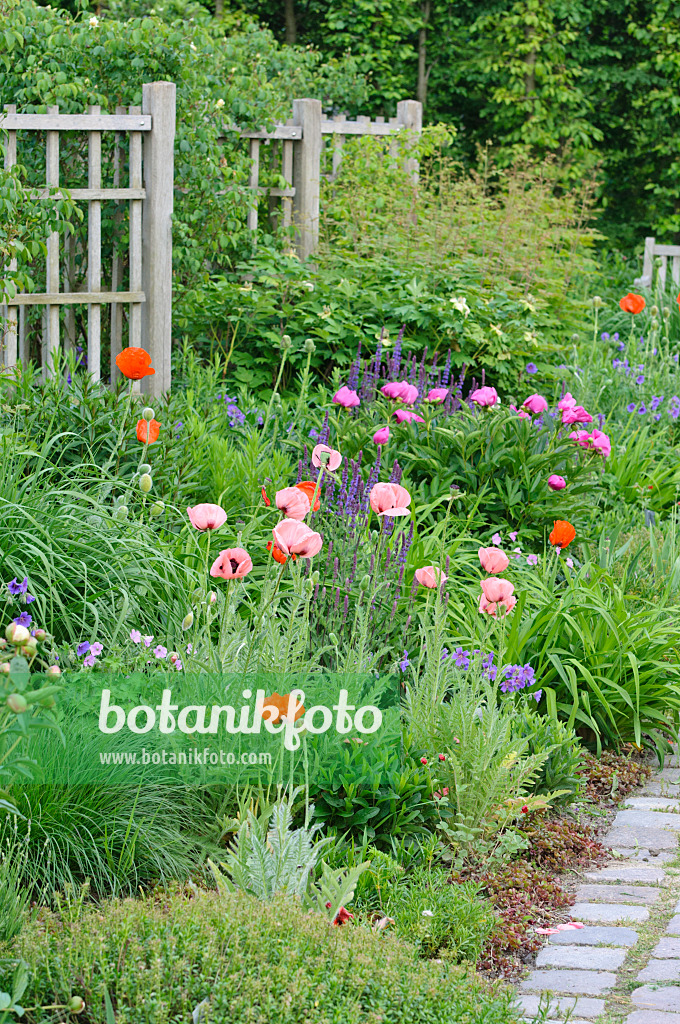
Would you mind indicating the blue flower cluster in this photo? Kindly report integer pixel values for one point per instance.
(516, 677)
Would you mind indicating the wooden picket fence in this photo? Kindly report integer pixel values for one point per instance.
(150, 134)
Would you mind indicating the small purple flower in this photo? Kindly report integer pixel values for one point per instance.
(532, 559)
(190, 648)
(640, 379)
(621, 345)
(631, 407)
(570, 562)
(657, 417)
(404, 663)
(160, 651)
(15, 588)
(461, 658)
(23, 620)
(604, 336)
(178, 665)
(28, 598)
(615, 337)
(445, 653)
(513, 536)
(496, 539)
(178, 427)
(537, 694)
(96, 649)
(642, 409)
(531, 368)
(135, 636)
(90, 661)
(656, 402)
(146, 640)
(83, 648)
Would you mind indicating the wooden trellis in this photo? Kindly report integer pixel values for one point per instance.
(654, 250)
(151, 131)
(301, 142)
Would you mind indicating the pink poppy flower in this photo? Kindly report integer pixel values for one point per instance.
(232, 564)
(430, 576)
(484, 396)
(334, 460)
(401, 390)
(294, 538)
(404, 415)
(382, 436)
(437, 394)
(576, 414)
(497, 596)
(346, 397)
(293, 502)
(390, 500)
(566, 403)
(493, 560)
(556, 483)
(535, 403)
(207, 516)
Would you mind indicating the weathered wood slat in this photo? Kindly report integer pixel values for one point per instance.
(94, 251)
(8, 344)
(253, 182)
(287, 175)
(281, 131)
(54, 299)
(666, 250)
(135, 312)
(358, 127)
(76, 122)
(107, 193)
(51, 341)
(116, 314)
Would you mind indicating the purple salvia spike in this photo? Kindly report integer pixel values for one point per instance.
(447, 563)
(325, 431)
(299, 475)
(483, 378)
(316, 591)
(323, 594)
(336, 602)
(396, 358)
(345, 609)
(447, 369)
(336, 566)
(388, 556)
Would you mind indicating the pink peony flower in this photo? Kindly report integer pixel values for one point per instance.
(390, 500)
(294, 538)
(232, 564)
(581, 437)
(576, 414)
(401, 390)
(535, 403)
(382, 436)
(436, 394)
(484, 396)
(522, 413)
(346, 397)
(493, 560)
(566, 403)
(601, 443)
(430, 576)
(404, 415)
(293, 502)
(334, 460)
(207, 517)
(497, 597)
(556, 483)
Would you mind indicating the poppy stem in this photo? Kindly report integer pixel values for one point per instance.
(260, 617)
(121, 432)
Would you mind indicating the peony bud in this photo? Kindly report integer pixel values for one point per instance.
(309, 347)
(4, 668)
(286, 342)
(3, 643)
(17, 703)
(147, 414)
(145, 483)
(30, 648)
(157, 509)
(188, 620)
(47, 702)
(76, 1004)
(40, 634)
(17, 635)
(53, 672)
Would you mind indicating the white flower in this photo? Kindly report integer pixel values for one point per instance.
(220, 103)
(192, 46)
(428, 913)
(94, 21)
(307, 285)
(459, 303)
(247, 287)
(496, 329)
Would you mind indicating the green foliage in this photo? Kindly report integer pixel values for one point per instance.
(561, 768)
(175, 960)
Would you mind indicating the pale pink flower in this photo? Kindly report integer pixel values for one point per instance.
(405, 415)
(436, 394)
(556, 483)
(566, 403)
(390, 500)
(160, 651)
(496, 539)
(293, 502)
(207, 516)
(232, 564)
(135, 636)
(146, 640)
(430, 576)
(497, 596)
(535, 404)
(484, 396)
(334, 460)
(601, 443)
(294, 538)
(346, 397)
(576, 414)
(382, 436)
(532, 559)
(493, 560)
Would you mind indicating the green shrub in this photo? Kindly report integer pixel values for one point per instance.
(564, 759)
(160, 957)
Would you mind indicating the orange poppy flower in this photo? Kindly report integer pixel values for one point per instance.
(277, 553)
(562, 534)
(280, 702)
(144, 428)
(265, 498)
(308, 487)
(134, 363)
(632, 303)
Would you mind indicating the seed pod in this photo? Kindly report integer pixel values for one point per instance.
(16, 634)
(17, 703)
(147, 414)
(53, 672)
(309, 347)
(188, 620)
(76, 1004)
(120, 513)
(145, 483)
(157, 509)
(597, 302)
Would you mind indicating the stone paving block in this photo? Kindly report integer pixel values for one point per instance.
(674, 926)
(663, 998)
(647, 819)
(586, 983)
(623, 871)
(672, 761)
(640, 855)
(608, 913)
(661, 970)
(669, 774)
(596, 935)
(586, 958)
(666, 947)
(652, 1017)
(662, 788)
(677, 908)
(651, 803)
(643, 895)
(553, 1020)
(581, 1005)
(628, 837)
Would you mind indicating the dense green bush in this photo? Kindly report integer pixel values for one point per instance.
(160, 957)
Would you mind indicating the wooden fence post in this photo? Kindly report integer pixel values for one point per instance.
(158, 100)
(307, 176)
(410, 117)
(8, 344)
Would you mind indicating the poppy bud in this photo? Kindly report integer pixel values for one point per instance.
(17, 635)
(157, 509)
(365, 582)
(315, 577)
(212, 597)
(53, 672)
(309, 347)
(17, 703)
(654, 310)
(597, 302)
(188, 620)
(286, 342)
(197, 596)
(121, 512)
(40, 634)
(574, 337)
(655, 324)
(666, 313)
(145, 483)
(333, 639)
(147, 414)
(30, 647)
(76, 1004)
(144, 468)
